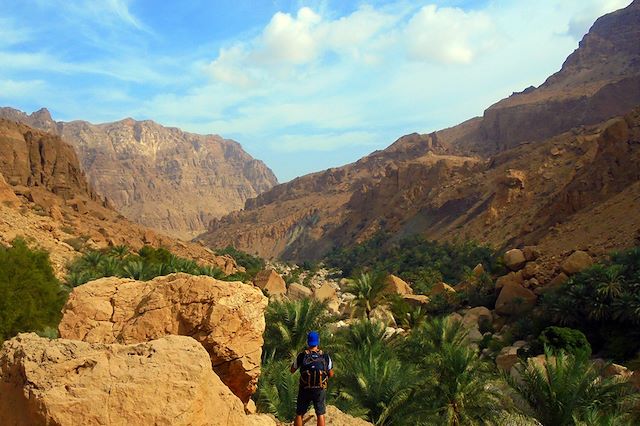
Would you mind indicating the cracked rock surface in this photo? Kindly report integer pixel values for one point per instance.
(227, 318)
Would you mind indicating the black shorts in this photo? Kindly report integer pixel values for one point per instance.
(307, 396)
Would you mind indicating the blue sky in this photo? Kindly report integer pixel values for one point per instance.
(302, 85)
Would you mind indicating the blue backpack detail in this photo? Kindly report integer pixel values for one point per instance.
(313, 371)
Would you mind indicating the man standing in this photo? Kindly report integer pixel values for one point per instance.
(316, 368)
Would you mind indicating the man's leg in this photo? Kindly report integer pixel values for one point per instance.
(302, 405)
(320, 405)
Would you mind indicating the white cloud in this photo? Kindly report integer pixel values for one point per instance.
(448, 35)
(21, 88)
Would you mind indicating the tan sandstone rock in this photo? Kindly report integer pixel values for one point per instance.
(298, 292)
(335, 417)
(227, 318)
(416, 300)
(578, 261)
(514, 259)
(510, 278)
(168, 381)
(441, 288)
(507, 358)
(396, 285)
(7, 196)
(556, 282)
(325, 293)
(515, 299)
(271, 282)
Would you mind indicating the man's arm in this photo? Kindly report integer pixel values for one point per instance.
(294, 365)
(330, 367)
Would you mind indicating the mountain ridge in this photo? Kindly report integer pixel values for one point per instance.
(308, 216)
(161, 177)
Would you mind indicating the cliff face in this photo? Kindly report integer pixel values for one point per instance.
(161, 177)
(599, 80)
(503, 178)
(44, 197)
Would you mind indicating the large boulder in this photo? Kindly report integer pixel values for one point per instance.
(555, 283)
(510, 278)
(514, 300)
(442, 288)
(578, 261)
(335, 417)
(514, 259)
(396, 285)
(227, 318)
(168, 381)
(271, 282)
(298, 292)
(326, 292)
(507, 358)
(416, 300)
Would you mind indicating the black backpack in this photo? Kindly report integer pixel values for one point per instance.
(313, 371)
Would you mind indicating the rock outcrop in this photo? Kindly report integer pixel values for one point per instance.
(227, 318)
(67, 382)
(271, 282)
(170, 180)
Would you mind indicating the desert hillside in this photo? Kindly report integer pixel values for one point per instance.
(161, 177)
(511, 176)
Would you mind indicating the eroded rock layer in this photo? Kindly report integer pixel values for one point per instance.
(227, 318)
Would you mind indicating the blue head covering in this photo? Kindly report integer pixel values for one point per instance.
(313, 338)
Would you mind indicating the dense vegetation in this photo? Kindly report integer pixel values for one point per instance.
(432, 376)
(604, 303)
(30, 295)
(415, 259)
(146, 264)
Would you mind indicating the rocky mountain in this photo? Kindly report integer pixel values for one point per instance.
(172, 181)
(552, 159)
(45, 198)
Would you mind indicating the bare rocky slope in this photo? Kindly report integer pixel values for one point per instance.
(45, 198)
(545, 162)
(164, 178)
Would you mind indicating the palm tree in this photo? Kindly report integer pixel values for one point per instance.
(430, 337)
(288, 323)
(374, 383)
(565, 389)
(459, 389)
(368, 290)
(108, 267)
(277, 390)
(119, 252)
(134, 269)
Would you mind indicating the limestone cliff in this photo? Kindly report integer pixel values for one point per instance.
(161, 177)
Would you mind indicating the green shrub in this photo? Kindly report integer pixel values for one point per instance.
(30, 295)
(603, 302)
(147, 264)
(566, 339)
